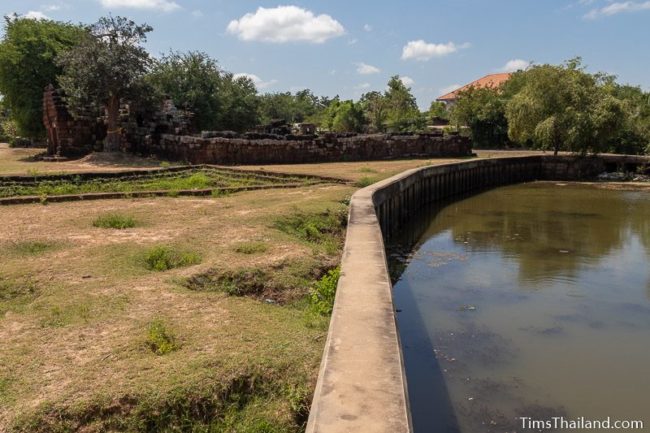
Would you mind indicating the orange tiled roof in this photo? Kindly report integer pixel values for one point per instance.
(492, 80)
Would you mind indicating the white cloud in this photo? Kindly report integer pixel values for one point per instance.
(285, 24)
(515, 65)
(365, 69)
(421, 50)
(450, 88)
(163, 5)
(36, 15)
(197, 13)
(367, 27)
(259, 83)
(617, 8)
(408, 81)
(51, 8)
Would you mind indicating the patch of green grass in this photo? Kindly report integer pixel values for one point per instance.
(324, 292)
(160, 339)
(326, 228)
(256, 402)
(60, 316)
(15, 293)
(366, 181)
(114, 221)
(162, 258)
(251, 248)
(165, 181)
(367, 170)
(284, 283)
(31, 248)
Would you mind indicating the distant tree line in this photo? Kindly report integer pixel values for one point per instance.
(559, 108)
(102, 65)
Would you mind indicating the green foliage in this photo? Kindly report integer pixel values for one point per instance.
(162, 258)
(375, 108)
(316, 228)
(322, 296)
(438, 110)
(8, 130)
(563, 108)
(366, 181)
(114, 221)
(302, 106)
(107, 65)
(344, 116)
(483, 111)
(403, 113)
(195, 83)
(28, 53)
(160, 340)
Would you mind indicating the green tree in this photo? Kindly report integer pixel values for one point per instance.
(239, 103)
(375, 108)
(564, 108)
(403, 114)
(192, 81)
(107, 65)
(344, 116)
(438, 110)
(482, 110)
(28, 53)
(303, 106)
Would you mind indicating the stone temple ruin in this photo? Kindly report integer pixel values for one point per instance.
(167, 133)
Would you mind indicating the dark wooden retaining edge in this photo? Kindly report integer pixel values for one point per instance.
(29, 199)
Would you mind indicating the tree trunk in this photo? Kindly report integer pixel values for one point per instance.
(113, 136)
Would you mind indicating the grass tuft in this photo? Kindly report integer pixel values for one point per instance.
(160, 340)
(251, 248)
(366, 181)
(114, 221)
(325, 228)
(32, 248)
(162, 258)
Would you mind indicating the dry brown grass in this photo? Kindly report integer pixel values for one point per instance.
(81, 335)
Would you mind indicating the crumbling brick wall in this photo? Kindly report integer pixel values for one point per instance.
(68, 135)
(327, 148)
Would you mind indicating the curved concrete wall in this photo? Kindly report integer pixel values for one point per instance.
(361, 385)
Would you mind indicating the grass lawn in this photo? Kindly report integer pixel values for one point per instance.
(127, 315)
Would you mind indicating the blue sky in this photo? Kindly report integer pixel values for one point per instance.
(348, 47)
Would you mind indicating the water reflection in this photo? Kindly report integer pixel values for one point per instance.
(525, 301)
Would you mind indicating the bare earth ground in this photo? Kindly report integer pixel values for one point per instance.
(81, 335)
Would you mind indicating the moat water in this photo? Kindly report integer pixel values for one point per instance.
(530, 300)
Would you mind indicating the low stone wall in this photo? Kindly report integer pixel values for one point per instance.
(361, 385)
(328, 148)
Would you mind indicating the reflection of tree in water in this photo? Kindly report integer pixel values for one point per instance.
(552, 231)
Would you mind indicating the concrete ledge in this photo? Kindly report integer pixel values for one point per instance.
(361, 385)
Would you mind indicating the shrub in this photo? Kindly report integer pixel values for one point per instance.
(316, 228)
(324, 292)
(162, 258)
(160, 340)
(114, 221)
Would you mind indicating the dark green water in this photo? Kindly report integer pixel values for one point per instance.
(526, 301)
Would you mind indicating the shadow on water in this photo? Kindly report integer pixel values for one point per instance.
(430, 404)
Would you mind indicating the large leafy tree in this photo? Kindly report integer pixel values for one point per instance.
(344, 116)
(375, 108)
(564, 108)
(301, 106)
(192, 81)
(403, 113)
(107, 65)
(239, 103)
(482, 110)
(28, 53)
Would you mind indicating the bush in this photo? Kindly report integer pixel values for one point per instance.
(159, 339)
(324, 292)
(8, 131)
(316, 228)
(163, 258)
(114, 221)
